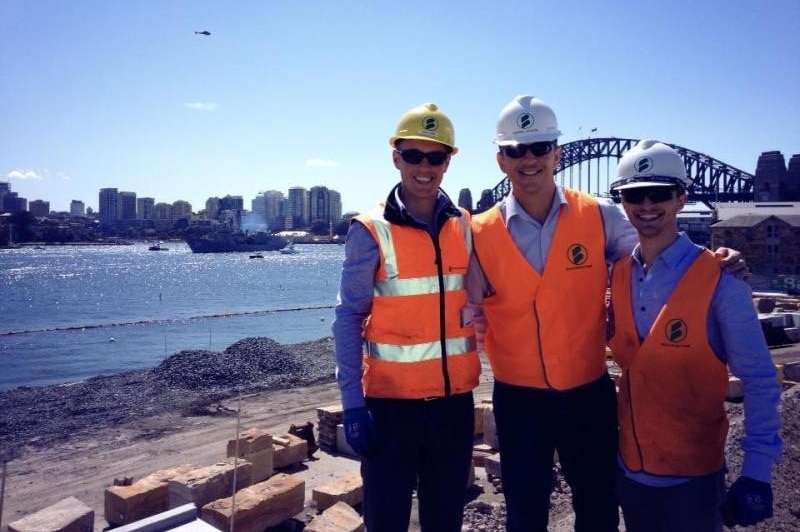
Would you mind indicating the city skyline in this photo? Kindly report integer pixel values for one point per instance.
(100, 94)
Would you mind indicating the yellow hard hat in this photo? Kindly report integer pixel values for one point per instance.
(426, 122)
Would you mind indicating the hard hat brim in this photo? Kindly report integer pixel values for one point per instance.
(527, 139)
(393, 142)
(644, 182)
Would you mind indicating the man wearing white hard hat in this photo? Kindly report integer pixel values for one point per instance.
(676, 325)
(406, 362)
(538, 281)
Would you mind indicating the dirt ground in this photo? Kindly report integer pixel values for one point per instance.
(84, 465)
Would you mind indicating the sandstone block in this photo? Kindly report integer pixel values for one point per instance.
(490, 429)
(480, 413)
(67, 515)
(791, 371)
(342, 447)
(348, 488)
(250, 441)
(338, 518)
(143, 498)
(492, 465)
(258, 506)
(735, 389)
(287, 450)
(205, 484)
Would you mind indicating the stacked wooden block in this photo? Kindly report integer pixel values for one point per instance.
(329, 417)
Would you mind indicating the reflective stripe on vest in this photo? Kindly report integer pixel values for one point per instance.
(419, 352)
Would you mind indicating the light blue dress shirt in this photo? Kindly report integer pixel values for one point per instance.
(737, 339)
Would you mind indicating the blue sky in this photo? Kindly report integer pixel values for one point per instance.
(119, 94)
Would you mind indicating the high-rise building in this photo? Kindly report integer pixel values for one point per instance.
(465, 199)
(212, 208)
(318, 204)
(162, 211)
(181, 209)
(126, 206)
(273, 209)
(4, 189)
(77, 208)
(107, 206)
(144, 208)
(770, 173)
(39, 208)
(793, 178)
(297, 209)
(334, 206)
(231, 203)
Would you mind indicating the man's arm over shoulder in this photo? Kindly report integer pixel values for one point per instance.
(747, 355)
(621, 236)
(353, 305)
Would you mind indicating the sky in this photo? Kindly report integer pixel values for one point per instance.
(97, 93)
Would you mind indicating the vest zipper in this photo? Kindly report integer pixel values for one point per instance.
(442, 321)
(539, 342)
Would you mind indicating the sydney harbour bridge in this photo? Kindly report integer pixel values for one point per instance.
(589, 165)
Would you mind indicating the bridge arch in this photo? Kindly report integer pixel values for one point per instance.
(581, 167)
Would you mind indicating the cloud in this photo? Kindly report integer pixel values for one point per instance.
(201, 106)
(23, 175)
(325, 163)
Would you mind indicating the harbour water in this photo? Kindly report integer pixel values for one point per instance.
(68, 313)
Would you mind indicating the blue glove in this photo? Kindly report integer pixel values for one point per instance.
(359, 429)
(748, 502)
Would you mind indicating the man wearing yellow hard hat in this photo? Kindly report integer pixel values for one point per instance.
(406, 357)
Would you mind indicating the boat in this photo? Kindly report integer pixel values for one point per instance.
(289, 249)
(223, 241)
(157, 247)
(256, 256)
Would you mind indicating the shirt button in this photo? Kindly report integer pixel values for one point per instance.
(643, 309)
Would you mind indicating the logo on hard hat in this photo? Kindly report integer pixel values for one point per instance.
(577, 254)
(643, 165)
(525, 121)
(676, 330)
(430, 123)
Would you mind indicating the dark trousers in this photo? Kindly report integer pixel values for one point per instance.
(689, 507)
(581, 424)
(422, 443)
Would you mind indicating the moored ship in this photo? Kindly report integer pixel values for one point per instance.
(227, 241)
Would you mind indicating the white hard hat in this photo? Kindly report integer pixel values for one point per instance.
(651, 164)
(524, 120)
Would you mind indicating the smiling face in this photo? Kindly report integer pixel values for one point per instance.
(532, 177)
(420, 182)
(655, 221)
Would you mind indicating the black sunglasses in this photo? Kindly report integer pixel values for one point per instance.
(636, 196)
(414, 156)
(536, 148)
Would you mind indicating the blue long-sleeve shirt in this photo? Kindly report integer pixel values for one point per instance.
(735, 336)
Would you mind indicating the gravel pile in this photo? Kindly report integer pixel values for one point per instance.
(189, 382)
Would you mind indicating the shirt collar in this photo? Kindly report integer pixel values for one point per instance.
(673, 254)
(513, 208)
(442, 202)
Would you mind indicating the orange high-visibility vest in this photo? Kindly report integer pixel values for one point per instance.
(546, 331)
(415, 344)
(670, 402)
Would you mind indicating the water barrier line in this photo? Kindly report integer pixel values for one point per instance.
(164, 321)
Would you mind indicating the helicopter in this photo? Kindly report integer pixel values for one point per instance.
(204, 32)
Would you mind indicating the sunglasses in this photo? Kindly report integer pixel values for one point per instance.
(414, 156)
(636, 196)
(536, 148)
